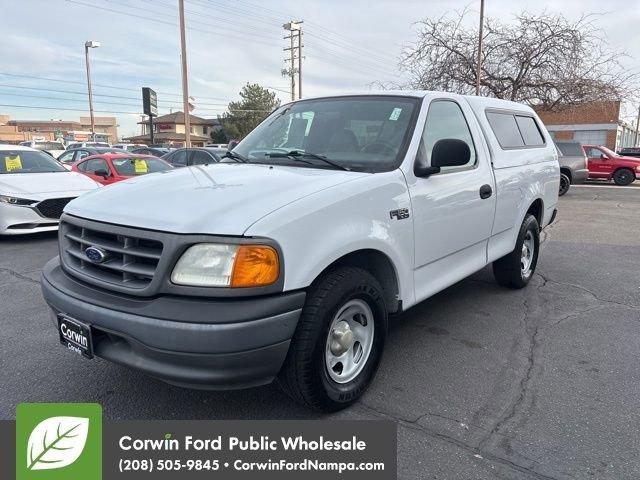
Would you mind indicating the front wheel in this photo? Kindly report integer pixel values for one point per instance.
(338, 342)
(515, 269)
(624, 177)
(565, 183)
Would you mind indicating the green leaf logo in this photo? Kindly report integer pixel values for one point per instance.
(56, 442)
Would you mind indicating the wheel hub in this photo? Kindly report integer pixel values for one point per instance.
(341, 338)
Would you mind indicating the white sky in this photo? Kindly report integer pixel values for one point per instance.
(348, 45)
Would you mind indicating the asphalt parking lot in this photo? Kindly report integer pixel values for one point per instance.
(483, 382)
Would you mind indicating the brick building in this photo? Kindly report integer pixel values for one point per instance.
(591, 123)
(16, 131)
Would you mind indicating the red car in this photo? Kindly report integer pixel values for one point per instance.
(608, 165)
(108, 168)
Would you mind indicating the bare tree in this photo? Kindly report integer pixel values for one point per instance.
(543, 59)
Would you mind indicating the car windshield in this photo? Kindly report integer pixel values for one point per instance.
(139, 166)
(48, 146)
(26, 161)
(363, 133)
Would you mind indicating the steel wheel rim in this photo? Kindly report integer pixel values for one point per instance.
(526, 258)
(564, 185)
(349, 341)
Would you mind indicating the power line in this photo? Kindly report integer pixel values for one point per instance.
(108, 86)
(69, 92)
(103, 111)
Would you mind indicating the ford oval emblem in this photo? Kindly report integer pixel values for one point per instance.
(95, 254)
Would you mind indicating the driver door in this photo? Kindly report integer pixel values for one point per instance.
(452, 210)
(598, 162)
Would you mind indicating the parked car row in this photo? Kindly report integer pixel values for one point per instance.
(596, 162)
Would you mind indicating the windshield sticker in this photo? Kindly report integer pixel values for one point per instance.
(395, 114)
(140, 166)
(13, 163)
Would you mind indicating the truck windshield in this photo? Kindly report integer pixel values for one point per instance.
(362, 133)
(25, 161)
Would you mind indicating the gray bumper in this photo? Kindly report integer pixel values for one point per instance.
(579, 176)
(188, 341)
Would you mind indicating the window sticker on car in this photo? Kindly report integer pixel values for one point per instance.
(13, 163)
(395, 114)
(140, 166)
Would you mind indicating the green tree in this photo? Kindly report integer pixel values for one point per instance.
(243, 116)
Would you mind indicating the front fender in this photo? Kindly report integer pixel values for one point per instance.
(320, 228)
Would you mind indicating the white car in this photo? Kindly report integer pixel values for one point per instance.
(87, 144)
(52, 147)
(34, 189)
(286, 259)
(128, 146)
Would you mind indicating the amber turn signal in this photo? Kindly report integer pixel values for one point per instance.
(255, 266)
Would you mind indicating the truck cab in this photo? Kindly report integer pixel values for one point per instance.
(605, 164)
(285, 260)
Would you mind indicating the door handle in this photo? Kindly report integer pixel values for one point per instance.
(485, 191)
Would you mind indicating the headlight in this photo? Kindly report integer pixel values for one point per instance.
(16, 200)
(223, 265)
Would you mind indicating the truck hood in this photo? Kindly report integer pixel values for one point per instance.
(35, 185)
(222, 199)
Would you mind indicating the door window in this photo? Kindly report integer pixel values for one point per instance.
(95, 164)
(594, 152)
(67, 157)
(200, 158)
(445, 120)
(179, 158)
(81, 154)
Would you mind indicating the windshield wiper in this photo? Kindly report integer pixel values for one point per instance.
(236, 156)
(298, 154)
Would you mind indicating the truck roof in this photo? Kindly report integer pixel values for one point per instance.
(476, 101)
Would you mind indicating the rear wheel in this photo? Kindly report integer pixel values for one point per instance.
(623, 177)
(338, 342)
(515, 269)
(565, 183)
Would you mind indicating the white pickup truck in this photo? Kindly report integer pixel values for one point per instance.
(285, 260)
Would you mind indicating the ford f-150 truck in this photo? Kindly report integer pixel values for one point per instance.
(286, 260)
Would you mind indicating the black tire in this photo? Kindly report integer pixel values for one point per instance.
(304, 376)
(624, 177)
(565, 183)
(508, 270)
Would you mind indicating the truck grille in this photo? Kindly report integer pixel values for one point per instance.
(128, 260)
(52, 208)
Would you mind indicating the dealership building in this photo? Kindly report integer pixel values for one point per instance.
(170, 130)
(596, 123)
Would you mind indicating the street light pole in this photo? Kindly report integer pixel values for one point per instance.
(479, 65)
(87, 45)
(185, 81)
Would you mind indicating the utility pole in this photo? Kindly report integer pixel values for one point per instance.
(635, 143)
(185, 78)
(295, 53)
(87, 45)
(479, 65)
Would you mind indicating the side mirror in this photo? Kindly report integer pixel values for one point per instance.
(603, 156)
(448, 152)
(101, 173)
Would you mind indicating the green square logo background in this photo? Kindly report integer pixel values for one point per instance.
(87, 467)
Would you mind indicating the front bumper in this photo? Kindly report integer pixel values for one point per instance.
(22, 219)
(193, 342)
